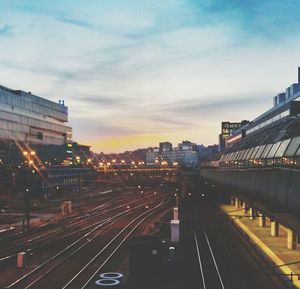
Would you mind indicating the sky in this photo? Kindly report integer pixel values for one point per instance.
(137, 72)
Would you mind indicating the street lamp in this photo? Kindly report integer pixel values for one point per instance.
(26, 194)
(177, 198)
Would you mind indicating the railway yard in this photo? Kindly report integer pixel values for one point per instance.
(72, 251)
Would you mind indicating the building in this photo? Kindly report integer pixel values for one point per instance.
(185, 154)
(81, 153)
(187, 145)
(272, 139)
(152, 156)
(209, 152)
(165, 146)
(227, 129)
(29, 123)
(285, 107)
(187, 157)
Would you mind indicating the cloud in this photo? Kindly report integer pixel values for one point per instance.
(92, 129)
(175, 68)
(218, 105)
(75, 22)
(106, 100)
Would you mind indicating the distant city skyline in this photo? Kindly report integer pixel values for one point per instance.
(136, 73)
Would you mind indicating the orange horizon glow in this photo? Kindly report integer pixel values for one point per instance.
(123, 143)
(119, 144)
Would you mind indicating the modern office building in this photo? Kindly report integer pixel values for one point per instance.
(29, 123)
(272, 139)
(227, 129)
(286, 106)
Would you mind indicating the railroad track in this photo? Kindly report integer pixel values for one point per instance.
(98, 262)
(214, 271)
(209, 269)
(44, 227)
(106, 199)
(73, 228)
(34, 278)
(63, 222)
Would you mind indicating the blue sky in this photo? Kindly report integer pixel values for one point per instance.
(137, 72)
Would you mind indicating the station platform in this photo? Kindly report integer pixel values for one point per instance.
(285, 261)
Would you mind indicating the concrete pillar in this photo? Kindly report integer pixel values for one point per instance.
(245, 208)
(21, 260)
(66, 208)
(252, 213)
(175, 213)
(274, 228)
(292, 239)
(69, 207)
(175, 231)
(261, 220)
(232, 200)
(237, 203)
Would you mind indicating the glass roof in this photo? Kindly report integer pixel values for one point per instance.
(266, 151)
(273, 150)
(243, 154)
(260, 151)
(249, 153)
(284, 144)
(254, 152)
(292, 147)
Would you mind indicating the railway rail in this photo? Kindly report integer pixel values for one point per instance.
(97, 263)
(84, 244)
(74, 226)
(218, 268)
(210, 273)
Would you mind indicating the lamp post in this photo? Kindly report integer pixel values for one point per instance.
(177, 197)
(26, 210)
(27, 193)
